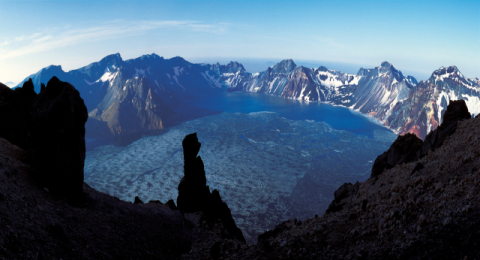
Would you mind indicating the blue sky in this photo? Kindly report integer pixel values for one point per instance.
(417, 37)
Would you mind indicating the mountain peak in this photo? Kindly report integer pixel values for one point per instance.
(443, 72)
(386, 64)
(285, 66)
(235, 66)
(322, 68)
(448, 69)
(363, 72)
(53, 67)
(150, 56)
(114, 57)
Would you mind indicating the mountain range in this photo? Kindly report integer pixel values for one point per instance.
(151, 93)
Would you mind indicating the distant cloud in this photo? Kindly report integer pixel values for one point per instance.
(40, 42)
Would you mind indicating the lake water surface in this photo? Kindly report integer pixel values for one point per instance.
(271, 158)
(339, 118)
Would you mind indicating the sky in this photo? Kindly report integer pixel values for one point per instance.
(417, 37)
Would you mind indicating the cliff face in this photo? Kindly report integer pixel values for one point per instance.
(129, 108)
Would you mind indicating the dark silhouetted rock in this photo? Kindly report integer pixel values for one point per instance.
(14, 116)
(192, 190)
(344, 191)
(137, 200)
(42, 88)
(58, 138)
(194, 194)
(403, 150)
(171, 204)
(27, 91)
(52, 126)
(217, 209)
(364, 204)
(456, 110)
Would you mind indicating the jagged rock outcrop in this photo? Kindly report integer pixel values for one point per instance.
(193, 191)
(403, 150)
(346, 190)
(456, 110)
(52, 126)
(408, 148)
(27, 91)
(194, 195)
(13, 117)
(58, 138)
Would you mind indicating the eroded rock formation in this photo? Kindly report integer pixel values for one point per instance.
(13, 117)
(58, 138)
(408, 148)
(403, 150)
(52, 126)
(456, 110)
(194, 194)
(193, 191)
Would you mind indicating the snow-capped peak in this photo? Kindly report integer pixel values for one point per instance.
(443, 73)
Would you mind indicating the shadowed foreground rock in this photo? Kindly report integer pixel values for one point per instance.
(194, 194)
(403, 150)
(424, 208)
(58, 138)
(51, 125)
(456, 110)
(409, 148)
(15, 113)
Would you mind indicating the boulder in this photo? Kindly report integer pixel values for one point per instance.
(456, 110)
(58, 138)
(405, 149)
